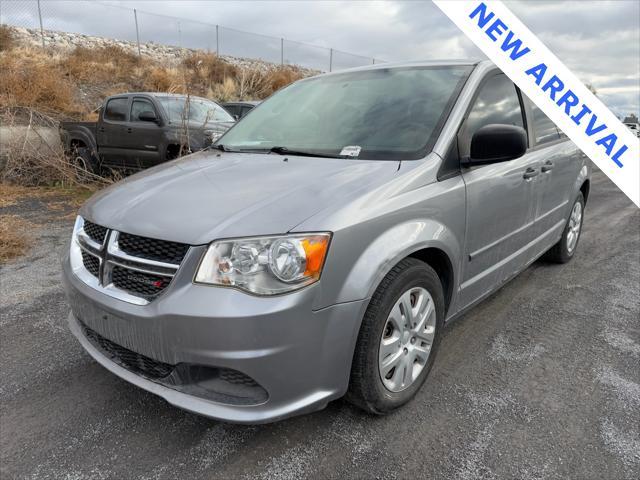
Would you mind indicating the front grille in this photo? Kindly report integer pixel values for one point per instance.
(95, 232)
(91, 263)
(132, 268)
(236, 377)
(138, 283)
(145, 366)
(152, 249)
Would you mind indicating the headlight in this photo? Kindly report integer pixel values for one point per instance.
(265, 265)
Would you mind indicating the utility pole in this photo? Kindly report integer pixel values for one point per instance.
(330, 59)
(135, 16)
(41, 28)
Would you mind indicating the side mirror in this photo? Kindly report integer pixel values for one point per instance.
(236, 117)
(148, 116)
(497, 143)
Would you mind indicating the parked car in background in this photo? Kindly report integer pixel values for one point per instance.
(139, 130)
(239, 109)
(634, 127)
(312, 256)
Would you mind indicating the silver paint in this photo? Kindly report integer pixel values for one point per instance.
(489, 221)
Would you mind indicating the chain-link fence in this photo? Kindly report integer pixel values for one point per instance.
(140, 27)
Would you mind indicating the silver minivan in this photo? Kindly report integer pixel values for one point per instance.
(319, 248)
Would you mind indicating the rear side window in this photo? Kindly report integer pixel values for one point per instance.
(139, 106)
(232, 109)
(116, 110)
(497, 102)
(544, 129)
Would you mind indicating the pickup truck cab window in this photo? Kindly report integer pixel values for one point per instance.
(140, 105)
(194, 110)
(116, 109)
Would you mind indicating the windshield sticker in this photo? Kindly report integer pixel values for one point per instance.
(350, 151)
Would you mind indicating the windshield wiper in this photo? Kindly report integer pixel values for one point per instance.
(223, 148)
(301, 153)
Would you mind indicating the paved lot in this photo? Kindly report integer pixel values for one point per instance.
(540, 381)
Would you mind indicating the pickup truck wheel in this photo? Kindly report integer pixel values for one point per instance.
(398, 339)
(564, 250)
(84, 163)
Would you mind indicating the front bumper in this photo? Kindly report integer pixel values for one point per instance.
(300, 357)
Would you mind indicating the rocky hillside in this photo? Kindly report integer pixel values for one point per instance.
(64, 41)
(73, 74)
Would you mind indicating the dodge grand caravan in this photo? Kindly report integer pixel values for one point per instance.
(321, 245)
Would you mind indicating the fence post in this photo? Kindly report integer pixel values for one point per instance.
(41, 28)
(282, 51)
(135, 16)
(330, 58)
(217, 42)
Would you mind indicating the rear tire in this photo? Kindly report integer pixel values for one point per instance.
(565, 249)
(86, 166)
(371, 386)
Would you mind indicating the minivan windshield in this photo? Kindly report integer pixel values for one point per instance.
(388, 113)
(197, 110)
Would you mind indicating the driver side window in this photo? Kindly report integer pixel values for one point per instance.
(140, 105)
(497, 102)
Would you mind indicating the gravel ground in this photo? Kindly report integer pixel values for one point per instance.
(542, 380)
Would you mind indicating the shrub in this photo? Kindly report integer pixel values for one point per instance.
(206, 69)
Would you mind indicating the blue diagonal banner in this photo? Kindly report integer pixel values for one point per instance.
(552, 87)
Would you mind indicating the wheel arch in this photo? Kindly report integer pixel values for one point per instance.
(427, 240)
(585, 188)
(438, 259)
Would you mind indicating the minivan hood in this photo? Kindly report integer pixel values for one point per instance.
(212, 195)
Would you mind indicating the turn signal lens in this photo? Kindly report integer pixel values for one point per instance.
(315, 249)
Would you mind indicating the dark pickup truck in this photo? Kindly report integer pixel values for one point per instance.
(139, 130)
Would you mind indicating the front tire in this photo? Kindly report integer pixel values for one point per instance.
(564, 250)
(398, 339)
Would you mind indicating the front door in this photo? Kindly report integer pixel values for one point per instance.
(144, 140)
(501, 197)
(112, 131)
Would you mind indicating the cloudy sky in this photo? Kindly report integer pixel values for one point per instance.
(597, 40)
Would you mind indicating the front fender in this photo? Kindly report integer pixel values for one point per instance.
(397, 243)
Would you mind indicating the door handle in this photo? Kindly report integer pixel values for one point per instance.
(547, 167)
(530, 173)
(129, 130)
(101, 129)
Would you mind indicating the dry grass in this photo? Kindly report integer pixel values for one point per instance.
(30, 78)
(11, 194)
(15, 239)
(6, 38)
(111, 63)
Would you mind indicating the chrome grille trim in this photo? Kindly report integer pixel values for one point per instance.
(109, 255)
